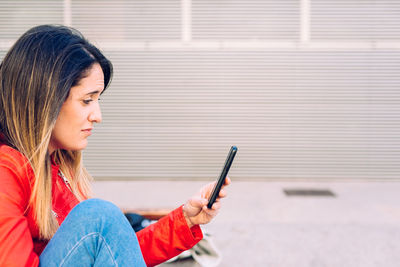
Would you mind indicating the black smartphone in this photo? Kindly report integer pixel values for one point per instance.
(222, 177)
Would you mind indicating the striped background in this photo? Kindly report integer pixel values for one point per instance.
(305, 89)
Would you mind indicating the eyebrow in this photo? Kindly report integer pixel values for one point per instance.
(93, 92)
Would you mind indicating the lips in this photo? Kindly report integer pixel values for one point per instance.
(88, 131)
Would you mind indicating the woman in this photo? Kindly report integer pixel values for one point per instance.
(51, 80)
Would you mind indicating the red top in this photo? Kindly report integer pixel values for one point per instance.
(19, 244)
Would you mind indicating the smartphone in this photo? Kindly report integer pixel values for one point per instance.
(222, 177)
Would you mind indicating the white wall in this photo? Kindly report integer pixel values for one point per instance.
(305, 89)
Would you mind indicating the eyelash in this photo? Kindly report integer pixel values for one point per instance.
(87, 101)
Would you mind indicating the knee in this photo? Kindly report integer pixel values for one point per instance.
(99, 209)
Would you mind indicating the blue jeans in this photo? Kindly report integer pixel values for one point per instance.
(95, 233)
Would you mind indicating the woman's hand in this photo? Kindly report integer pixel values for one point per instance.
(195, 210)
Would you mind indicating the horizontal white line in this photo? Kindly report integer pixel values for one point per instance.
(237, 45)
(245, 45)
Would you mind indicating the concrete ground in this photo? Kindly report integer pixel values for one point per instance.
(259, 225)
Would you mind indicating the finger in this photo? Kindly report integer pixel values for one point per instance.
(216, 206)
(207, 189)
(197, 202)
(227, 181)
(222, 193)
(211, 212)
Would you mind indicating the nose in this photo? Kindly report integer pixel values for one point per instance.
(95, 114)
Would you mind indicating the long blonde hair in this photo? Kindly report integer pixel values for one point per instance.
(36, 76)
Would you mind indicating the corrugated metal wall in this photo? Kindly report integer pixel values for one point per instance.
(305, 89)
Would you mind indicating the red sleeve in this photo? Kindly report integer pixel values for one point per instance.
(167, 238)
(16, 245)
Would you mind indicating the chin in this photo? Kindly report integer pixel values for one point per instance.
(79, 147)
(82, 147)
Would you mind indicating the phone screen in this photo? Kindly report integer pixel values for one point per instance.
(222, 177)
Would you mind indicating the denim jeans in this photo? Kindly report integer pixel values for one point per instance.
(95, 233)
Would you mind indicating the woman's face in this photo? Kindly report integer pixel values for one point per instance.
(78, 113)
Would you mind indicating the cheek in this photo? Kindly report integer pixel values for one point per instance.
(67, 135)
(71, 115)
(69, 123)
(61, 132)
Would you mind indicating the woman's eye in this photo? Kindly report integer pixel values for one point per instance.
(87, 101)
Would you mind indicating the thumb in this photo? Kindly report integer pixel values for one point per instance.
(197, 202)
(195, 205)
